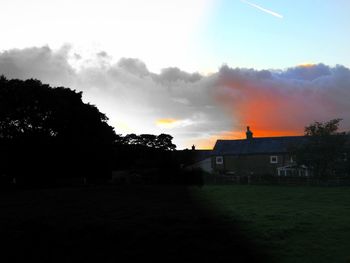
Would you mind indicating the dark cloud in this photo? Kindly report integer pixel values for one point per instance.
(175, 75)
(306, 72)
(77, 56)
(103, 54)
(272, 102)
(41, 63)
(133, 66)
(242, 74)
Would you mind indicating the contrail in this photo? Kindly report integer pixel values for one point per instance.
(263, 9)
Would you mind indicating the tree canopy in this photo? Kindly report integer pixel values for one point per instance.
(36, 111)
(161, 142)
(323, 128)
(325, 150)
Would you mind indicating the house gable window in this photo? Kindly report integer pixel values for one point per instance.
(273, 159)
(219, 160)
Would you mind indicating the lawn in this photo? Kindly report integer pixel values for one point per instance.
(176, 224)
(116, 224)
(292, 224)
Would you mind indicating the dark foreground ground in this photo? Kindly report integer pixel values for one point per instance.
(116, 224)
(292, 223)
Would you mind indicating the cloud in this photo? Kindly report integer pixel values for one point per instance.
(283, 102)
(134, 66)
(41, 63)
(306, 72)
(132, 97)
(172, 123)
(176, 75)
(195, 109)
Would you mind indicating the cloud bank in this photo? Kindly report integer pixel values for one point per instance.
(283, 102)
(195, 109)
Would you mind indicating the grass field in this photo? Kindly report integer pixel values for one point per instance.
(176, 224)
(116, 224)
(293, 224)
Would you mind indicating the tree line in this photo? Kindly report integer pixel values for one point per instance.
(327, 151)
(36, 111)
(162, 141)
(48, 132)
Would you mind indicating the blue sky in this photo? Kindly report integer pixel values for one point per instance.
(197, 35)
(310, 32)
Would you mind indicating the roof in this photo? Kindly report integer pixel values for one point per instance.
(264, 145)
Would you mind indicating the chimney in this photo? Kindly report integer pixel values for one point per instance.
(249, 134)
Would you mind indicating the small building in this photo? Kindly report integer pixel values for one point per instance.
(258, 156)
(201, 159)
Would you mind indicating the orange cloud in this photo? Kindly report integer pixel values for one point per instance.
(307, 65)
(279, 103)
(272, 108)
(167, 122)
(268, 113)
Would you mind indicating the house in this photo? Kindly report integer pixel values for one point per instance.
(258, 156)
(251, 156)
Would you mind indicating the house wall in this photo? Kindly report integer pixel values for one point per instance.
(250, 164)
(205, 165)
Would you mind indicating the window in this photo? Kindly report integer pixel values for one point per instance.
(273, 159)
(219, 160)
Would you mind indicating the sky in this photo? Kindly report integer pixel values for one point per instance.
(199, 70)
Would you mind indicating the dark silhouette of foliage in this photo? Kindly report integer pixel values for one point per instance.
(325, 149)
(48, 133)
(323, 129)
(130, 139)
(32, 110)
(161, 142)
(164, 142)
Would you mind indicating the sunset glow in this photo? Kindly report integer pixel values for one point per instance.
(306, 65)
(167, 123)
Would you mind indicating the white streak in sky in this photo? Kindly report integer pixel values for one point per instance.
(263, 9)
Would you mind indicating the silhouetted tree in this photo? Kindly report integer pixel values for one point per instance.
(161, 142)
(323, 128)
(148, 140)
(324, 150)
(50, 132)
(30, 109)
(164, 142)
(130, 139)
